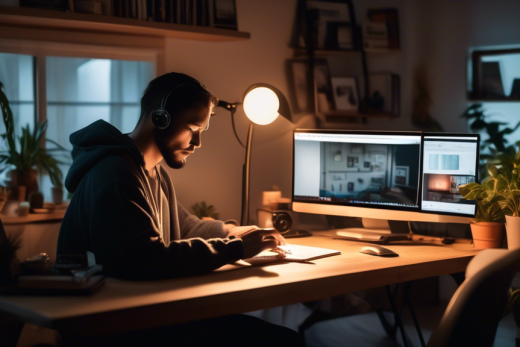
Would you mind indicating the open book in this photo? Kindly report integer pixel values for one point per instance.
(292, 253)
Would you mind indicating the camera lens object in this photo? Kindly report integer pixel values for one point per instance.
(282, 222)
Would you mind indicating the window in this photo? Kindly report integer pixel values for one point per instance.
(78, 91)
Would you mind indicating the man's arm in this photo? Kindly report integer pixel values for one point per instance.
(125, 240)
(192, 226)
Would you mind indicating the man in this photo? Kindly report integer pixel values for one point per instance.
(124, 208)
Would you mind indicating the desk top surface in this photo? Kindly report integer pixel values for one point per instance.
(239, 288)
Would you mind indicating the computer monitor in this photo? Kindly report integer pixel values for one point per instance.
(382, 174)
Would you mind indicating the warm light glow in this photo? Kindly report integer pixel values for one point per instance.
(261, 105)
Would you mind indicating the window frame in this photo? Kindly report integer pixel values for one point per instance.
(42, 49)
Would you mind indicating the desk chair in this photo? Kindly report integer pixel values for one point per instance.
(473, 314)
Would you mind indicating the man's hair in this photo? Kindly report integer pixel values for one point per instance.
(186, 93)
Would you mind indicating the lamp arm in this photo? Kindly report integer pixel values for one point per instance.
(232, 108)
(235, 129)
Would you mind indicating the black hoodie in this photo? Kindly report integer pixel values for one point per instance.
(111, 215)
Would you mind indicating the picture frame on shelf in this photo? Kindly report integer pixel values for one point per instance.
(224, 14)
(345, 93)
(339, 36)
(299, 86)
(329, 11)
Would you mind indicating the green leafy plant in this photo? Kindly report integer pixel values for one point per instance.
(27, 153)
(508, 175)
(202, 210)
(496, 142)
(487, 196)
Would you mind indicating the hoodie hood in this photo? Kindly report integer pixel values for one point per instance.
(92, 144)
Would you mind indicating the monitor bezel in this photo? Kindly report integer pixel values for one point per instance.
(364, 132)
(426, 134)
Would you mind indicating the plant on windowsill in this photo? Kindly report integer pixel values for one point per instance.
(27, 157)
(488, 228)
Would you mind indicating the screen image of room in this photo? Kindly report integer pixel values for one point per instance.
(445, 188)
(370, 173)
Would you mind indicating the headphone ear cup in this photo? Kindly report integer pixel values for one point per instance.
(161, 118)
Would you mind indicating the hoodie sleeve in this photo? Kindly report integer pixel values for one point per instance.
(125, 240)
(191, 226)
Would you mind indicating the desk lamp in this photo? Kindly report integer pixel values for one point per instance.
(262, 104)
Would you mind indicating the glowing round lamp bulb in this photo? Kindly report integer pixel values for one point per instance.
(261, 105)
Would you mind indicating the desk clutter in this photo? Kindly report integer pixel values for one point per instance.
(72, 274)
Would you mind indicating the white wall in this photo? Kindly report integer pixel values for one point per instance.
(214, 172)
(434, 34)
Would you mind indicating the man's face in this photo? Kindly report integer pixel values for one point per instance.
(180, 139)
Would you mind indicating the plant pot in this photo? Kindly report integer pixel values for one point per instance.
(26, 178)
(57, 195)
(513, 232)
(487, 234)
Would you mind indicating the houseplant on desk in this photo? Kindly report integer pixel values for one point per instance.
(509, 181)
(488, 229)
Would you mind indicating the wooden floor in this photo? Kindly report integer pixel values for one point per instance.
(366, 331)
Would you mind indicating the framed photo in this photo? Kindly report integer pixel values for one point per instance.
(225, 14)
(330, 11)
(340, 36)
(356, 148)
(297, 70)
(345, 93)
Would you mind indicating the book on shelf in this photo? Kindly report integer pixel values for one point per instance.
(388, 16)
(375, 36)
(84, 6)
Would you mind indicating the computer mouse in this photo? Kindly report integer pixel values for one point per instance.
(379, 251)
(447, 240)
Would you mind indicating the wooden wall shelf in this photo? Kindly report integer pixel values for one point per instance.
(34, 18)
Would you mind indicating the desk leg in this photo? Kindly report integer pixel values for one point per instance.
(10, 330)
(397, 316)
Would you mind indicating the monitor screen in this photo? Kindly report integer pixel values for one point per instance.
(448, 162)
(388, 175)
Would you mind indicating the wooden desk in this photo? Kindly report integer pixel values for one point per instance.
(121, 306)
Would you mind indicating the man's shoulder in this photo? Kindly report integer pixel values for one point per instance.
(113, 168)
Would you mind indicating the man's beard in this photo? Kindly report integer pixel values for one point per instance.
(160, 137)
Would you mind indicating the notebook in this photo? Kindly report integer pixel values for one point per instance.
(295, 253)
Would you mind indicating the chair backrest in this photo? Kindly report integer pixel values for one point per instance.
(473, 314)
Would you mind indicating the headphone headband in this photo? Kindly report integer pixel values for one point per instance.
(160, 117)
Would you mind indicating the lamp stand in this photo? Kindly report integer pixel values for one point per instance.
(244, 219)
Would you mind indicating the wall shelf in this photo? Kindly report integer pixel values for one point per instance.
(40, 18)
(301, 52)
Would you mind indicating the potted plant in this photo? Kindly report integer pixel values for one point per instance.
(27, 156)
(496, 142)
(488, 228)
(508, 175)
(204, 211)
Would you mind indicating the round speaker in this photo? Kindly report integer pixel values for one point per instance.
(282, 221)
(161, 118)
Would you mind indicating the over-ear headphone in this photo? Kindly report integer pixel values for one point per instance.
(160, 117)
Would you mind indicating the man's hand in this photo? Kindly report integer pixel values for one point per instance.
(257, 240)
